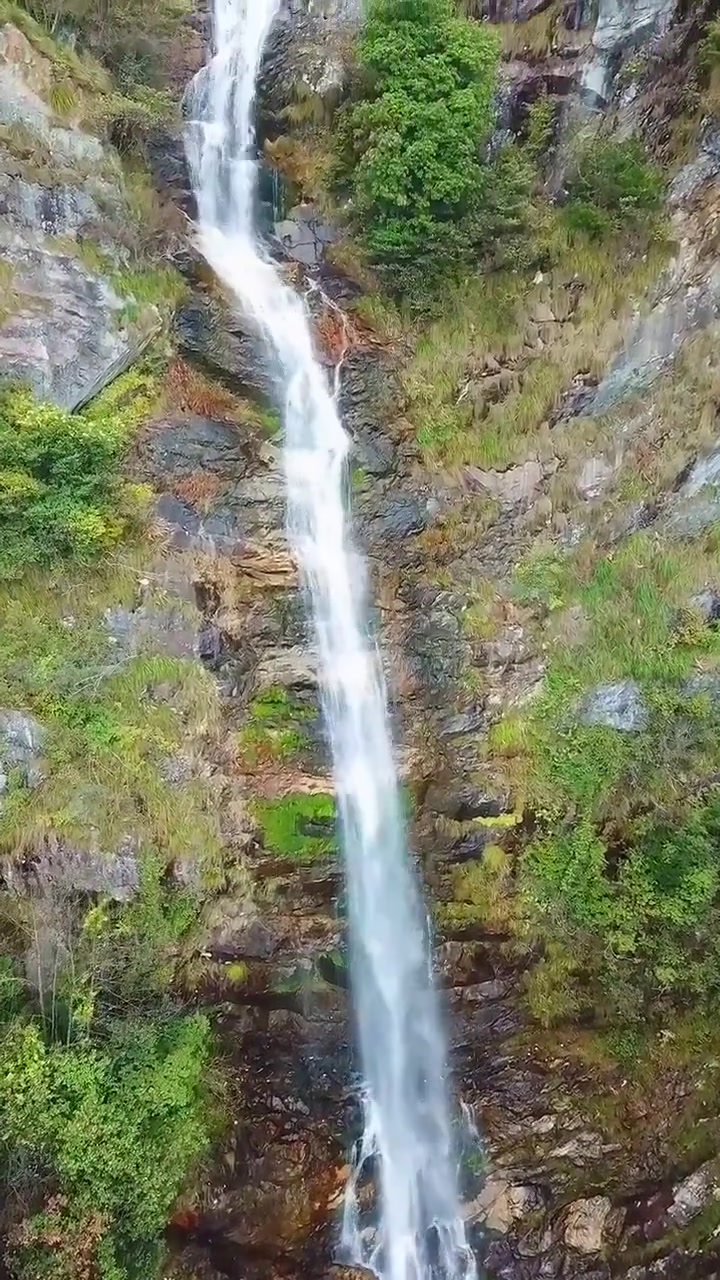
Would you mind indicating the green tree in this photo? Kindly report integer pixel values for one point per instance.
(412, 141)
(115, 1129)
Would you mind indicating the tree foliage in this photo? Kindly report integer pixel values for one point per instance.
(413, 138)
(61, 495)
(114, 1128)
(615, 187)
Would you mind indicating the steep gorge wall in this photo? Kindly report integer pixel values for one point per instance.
(591, 1171)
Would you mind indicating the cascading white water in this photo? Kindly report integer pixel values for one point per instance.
(407, 1126)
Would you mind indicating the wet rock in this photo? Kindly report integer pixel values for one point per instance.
(402, 517)
(621, 26)
(367, 399)
(209, 331)
(232, 929)
(619, 706)
(435, 653)
(182, 521)
(586, 1223)
(192, 443)
(304, 234)
(167, 159)
(463, 801)
(22, 739)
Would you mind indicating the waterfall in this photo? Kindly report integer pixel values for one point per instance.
(408, 1134)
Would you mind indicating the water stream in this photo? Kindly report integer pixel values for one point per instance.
(407, 1142)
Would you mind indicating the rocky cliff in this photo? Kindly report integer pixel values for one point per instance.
(534, 479)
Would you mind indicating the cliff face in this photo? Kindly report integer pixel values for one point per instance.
(531, 578)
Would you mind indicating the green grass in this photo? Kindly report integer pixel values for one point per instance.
(621, 880)
(485, 324)
(112, 722)
(297, 826)
(82, 69)
(160, 286)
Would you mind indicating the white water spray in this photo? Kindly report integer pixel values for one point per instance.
(407, 1138)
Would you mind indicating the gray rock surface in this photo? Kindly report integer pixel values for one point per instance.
(621, 26)
(694, 1192)
(656, 337)
(209, 331)
(151, 628)
(61, 868)
(304, 234)
(68, 335)
(619, 706)
(64, 329)
(517, 484)
(22, 739)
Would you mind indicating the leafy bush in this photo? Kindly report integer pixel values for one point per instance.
(412, 141)
(615, 187)
(639, 932)
(115, 1128)
(60, 491)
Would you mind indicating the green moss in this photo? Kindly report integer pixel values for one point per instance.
(274, 728)
(297, 826)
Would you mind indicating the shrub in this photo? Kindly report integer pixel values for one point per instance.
(60, 492)
(412, 141)
(615, 187)
(116, 1127)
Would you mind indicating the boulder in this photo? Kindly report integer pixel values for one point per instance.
(61, 868)
(501, 1204)
(619, 706)
(22, 739)
(209, 331)
(516, 485)
(153, 628)
(694, 1193)
(586, 1222)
